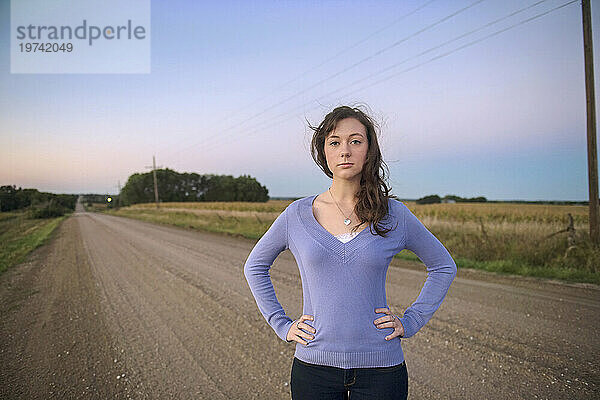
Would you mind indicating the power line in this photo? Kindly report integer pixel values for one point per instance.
(318, 66)
(462, 47)
(426, 61)
(339, 53)
(422, 53)
(377, 53)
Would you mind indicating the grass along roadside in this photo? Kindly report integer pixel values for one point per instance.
(511, 239)
(20, 235)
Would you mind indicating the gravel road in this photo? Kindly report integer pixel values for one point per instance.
(113, 307)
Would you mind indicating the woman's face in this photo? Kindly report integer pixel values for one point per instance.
(347, 143)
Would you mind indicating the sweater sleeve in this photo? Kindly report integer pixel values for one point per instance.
(256, 270)
(441, 270)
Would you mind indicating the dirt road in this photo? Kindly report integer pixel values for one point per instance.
(119, 308)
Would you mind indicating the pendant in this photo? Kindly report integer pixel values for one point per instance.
(347, 221)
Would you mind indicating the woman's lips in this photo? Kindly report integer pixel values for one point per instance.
(346, 165)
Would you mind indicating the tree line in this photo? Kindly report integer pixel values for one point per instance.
(40, 204)
(183, 187)
(434, 199)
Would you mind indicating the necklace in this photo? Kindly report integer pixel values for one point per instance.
(346, 219)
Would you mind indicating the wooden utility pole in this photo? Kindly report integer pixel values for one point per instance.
(119, 194)
(591, 120)
(155, 185)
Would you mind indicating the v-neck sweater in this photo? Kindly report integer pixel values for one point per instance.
(343, 284)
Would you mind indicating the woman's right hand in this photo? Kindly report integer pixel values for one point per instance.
(295, 334)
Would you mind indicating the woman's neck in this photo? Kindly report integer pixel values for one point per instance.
(344, 192)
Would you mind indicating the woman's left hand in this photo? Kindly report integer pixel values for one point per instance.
(389, 321)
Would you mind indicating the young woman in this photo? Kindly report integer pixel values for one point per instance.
(348, 342)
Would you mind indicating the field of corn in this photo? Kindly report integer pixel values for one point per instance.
(550, 241)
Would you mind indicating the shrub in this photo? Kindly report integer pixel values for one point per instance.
(47, 210)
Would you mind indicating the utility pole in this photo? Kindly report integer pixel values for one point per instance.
(155, 185)
(119, 194)
(591, 121)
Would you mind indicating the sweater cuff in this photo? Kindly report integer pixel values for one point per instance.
(282, 326)
(409, 328)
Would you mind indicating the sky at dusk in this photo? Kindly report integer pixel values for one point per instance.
(232, 84)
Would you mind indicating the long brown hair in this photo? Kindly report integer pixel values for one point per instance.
(373, 195)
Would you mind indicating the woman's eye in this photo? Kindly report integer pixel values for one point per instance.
(355, 140)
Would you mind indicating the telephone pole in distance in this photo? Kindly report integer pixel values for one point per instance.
(155, 185)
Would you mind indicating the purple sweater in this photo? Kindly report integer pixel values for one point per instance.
(343, 284)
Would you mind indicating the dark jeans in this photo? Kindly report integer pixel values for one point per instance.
(321, 382)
